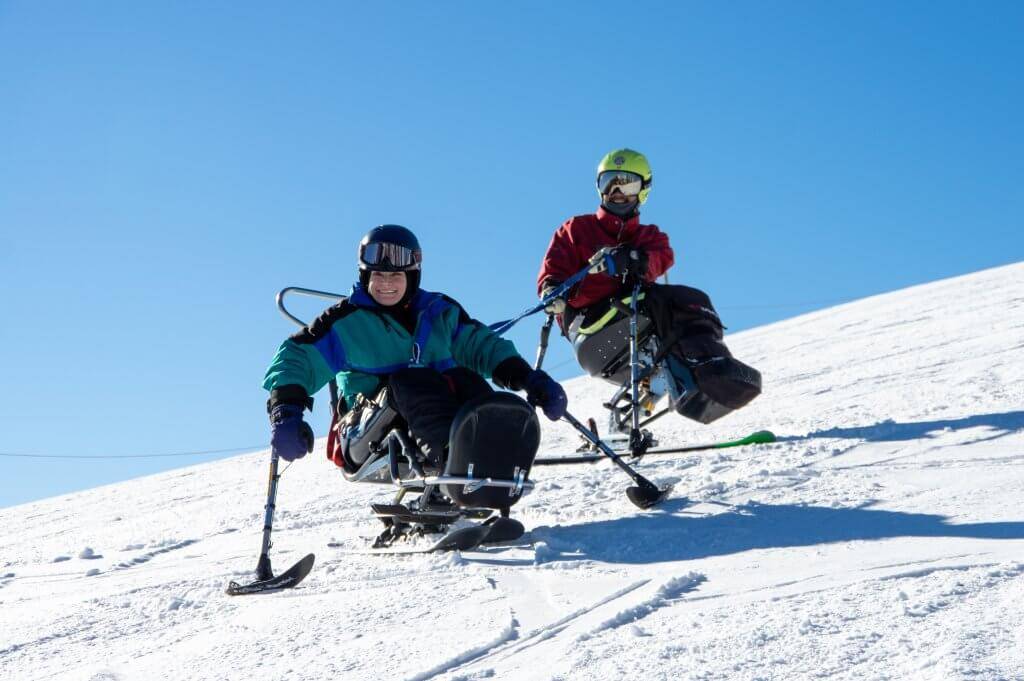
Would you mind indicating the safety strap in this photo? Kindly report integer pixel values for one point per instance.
(603, 320)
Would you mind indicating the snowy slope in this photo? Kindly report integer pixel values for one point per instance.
(881, 538)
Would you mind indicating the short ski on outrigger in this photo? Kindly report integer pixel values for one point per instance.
(266, 581)
(286, 580)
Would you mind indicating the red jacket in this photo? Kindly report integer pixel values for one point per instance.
(581, 236)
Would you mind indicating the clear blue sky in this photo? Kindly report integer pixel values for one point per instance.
(165, 168)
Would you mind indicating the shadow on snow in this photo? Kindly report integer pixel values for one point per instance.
(891, 431)
(673, 535)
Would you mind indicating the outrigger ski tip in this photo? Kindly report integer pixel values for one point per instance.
(286, 580)
(644, 496)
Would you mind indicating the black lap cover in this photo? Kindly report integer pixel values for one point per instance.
(495, 433)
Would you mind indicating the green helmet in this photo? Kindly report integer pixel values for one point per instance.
(629, 161)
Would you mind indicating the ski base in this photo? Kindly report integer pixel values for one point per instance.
(286, 580)
(496, 530)
(403, 514)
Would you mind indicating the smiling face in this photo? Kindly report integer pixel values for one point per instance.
(387, 288)
(617, 197)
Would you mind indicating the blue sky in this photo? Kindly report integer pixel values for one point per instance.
(166, 168)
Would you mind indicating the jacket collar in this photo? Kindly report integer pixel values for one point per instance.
(360, 297)
(616, 227)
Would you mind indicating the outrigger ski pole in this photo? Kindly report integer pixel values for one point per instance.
(265, 579)
(645, 494)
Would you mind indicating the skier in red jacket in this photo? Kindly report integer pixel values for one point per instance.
(684, 319)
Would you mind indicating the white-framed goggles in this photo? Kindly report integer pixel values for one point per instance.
(630, 184)
(388, 256)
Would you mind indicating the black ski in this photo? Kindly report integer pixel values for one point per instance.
(404, 514)
(286, 580)
(460, 540)
(501, 530)
(496, 530)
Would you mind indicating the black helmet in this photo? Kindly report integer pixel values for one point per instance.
(389, 248)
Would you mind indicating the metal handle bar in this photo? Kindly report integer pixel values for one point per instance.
(319, 294)
(302, 291)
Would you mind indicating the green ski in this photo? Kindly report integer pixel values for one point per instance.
(757, 438)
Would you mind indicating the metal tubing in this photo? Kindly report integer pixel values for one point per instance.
(302, 291)
(606, 450)
(478, 483)
(320, 294)
(635, 439)
(545, 333)
(263, 569)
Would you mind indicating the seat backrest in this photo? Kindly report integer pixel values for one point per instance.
(605, 353)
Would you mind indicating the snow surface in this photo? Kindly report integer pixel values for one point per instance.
(881, 538)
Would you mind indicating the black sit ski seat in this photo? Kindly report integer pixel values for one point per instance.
(492, 443)
(494, 436)
(602, 349)
(356, 439)
(705, 389)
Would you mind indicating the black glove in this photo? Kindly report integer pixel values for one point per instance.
(290, 437)
(545, 392)
(626, 260)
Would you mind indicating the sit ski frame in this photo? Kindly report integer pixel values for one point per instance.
(388, 468)
(394, 460)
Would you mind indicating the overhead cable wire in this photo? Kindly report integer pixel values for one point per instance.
(133, 456)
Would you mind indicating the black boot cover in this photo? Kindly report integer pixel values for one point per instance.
(712, 382)
(496, 434)
(714, 387)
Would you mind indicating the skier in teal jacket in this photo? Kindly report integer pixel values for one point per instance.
(388, 331)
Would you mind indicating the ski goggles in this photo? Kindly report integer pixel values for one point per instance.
(628, 183)
(390, 256)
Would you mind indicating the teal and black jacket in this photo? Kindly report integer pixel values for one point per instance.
(360, 344)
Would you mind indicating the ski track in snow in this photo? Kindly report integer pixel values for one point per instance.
(880, 538)
(518, 643)
(150, 555)
(672, 589)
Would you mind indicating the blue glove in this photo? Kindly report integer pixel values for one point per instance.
(290, 437)
(544, 392)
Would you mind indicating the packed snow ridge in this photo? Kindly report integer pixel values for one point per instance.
(881, 537)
